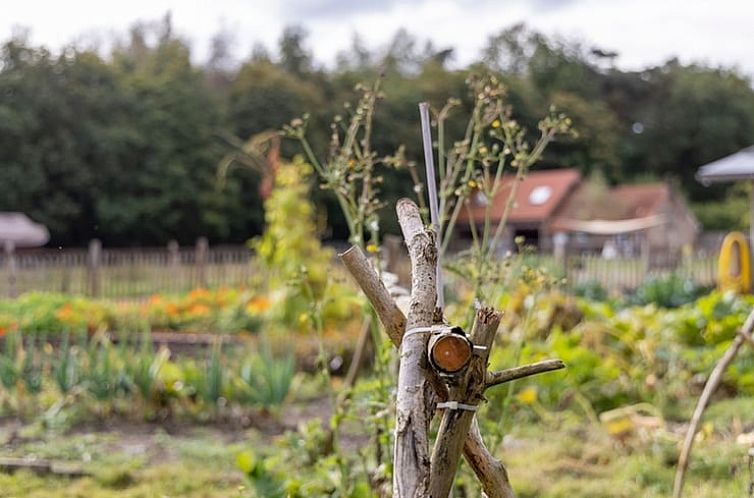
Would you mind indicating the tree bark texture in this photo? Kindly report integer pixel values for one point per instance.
(489, 470)
(411, 456)
(468, 389)
(392, 318)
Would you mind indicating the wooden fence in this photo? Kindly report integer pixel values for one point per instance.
(123, 273)
(134, 273)
(622, 274)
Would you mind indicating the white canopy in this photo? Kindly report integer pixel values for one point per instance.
(19, 230)
(738, 166)
(613, 227)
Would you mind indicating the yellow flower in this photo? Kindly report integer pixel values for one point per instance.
(372, 248)
(528, 396)
(472, 184)
(496, 123)
(303, 318)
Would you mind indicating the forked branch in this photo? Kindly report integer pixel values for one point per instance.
(489, 470)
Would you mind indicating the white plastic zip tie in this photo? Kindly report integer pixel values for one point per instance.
(422, 330)
(455, 405)
(479, 349)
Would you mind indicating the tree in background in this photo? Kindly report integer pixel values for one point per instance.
(123, 147)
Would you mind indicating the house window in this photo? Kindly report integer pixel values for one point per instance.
(540, 195)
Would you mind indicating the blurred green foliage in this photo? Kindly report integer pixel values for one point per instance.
(80, 377)
(123, 145)
(668, 291)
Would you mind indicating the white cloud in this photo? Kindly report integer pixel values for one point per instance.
(642, 31)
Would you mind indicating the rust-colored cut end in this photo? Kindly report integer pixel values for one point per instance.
(450, 352)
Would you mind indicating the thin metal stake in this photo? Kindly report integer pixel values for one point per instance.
(429, 163)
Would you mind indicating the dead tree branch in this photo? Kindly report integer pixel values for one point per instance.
(510, 374)
(467, 390)
(709, 388)
(366, 277)
(489, 470)
(417, 382)
(411, 456)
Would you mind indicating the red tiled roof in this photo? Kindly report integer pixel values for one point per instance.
(538, 196)
(642, 199)
(623, 202)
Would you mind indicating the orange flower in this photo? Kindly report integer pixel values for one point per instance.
(198, 293)
(258, 304)
(64, 313)
(155, 299)
(3, 331)
(199, 309)
(172, 310)
(222, 296)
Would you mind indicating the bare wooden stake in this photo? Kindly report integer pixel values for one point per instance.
(359, 353)
(429, 164)
(510, 374)
(361, 270)
(489, 470)
(411, 456)
(467, 391)
(94, 261)
(709, 388)
(420, 386)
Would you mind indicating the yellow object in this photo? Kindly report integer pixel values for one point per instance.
(528, 396)
(734, 268)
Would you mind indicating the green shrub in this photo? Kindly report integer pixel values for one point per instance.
(668, 291)
(591, 290)
(267, 379)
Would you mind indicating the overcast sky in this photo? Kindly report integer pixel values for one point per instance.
(643, 32)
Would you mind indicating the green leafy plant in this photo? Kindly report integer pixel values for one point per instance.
(66, 369)
(144, 367)
(214, 375)
(9, 371)
(267, 379)
(668, 291)
(32, 366)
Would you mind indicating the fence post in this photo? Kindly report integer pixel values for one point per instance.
(174, 256)
(10, 261)
(93, 267)
(175, 276)
(200, 259)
